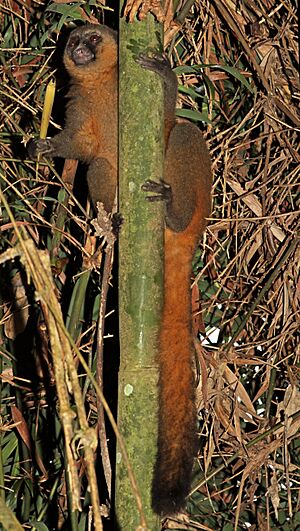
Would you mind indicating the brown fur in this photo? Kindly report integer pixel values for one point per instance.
(91, 135)
(92, 114)
(188, 172)
(187, 188)
(91, 129)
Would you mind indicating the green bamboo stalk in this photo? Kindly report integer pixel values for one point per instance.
(76, 308)
(140, 269)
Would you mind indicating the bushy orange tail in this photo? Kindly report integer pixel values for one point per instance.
(177, 440)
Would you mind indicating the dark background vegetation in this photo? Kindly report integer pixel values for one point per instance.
(238, 74)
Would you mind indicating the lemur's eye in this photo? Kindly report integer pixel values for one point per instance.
(74, 41)
(94, 38)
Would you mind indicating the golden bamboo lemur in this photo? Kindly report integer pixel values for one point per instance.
(91, 135)
(91, 129)
(186, 190)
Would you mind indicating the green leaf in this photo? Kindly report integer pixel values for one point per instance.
(189, 91)
(190, 114)
(229, 69)
(11, 443)
(39, 526)
(68, 11)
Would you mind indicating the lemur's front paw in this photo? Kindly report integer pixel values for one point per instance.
(161, 191)
(157, 62)
(39, 146)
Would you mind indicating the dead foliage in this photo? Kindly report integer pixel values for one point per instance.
(237, 64)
